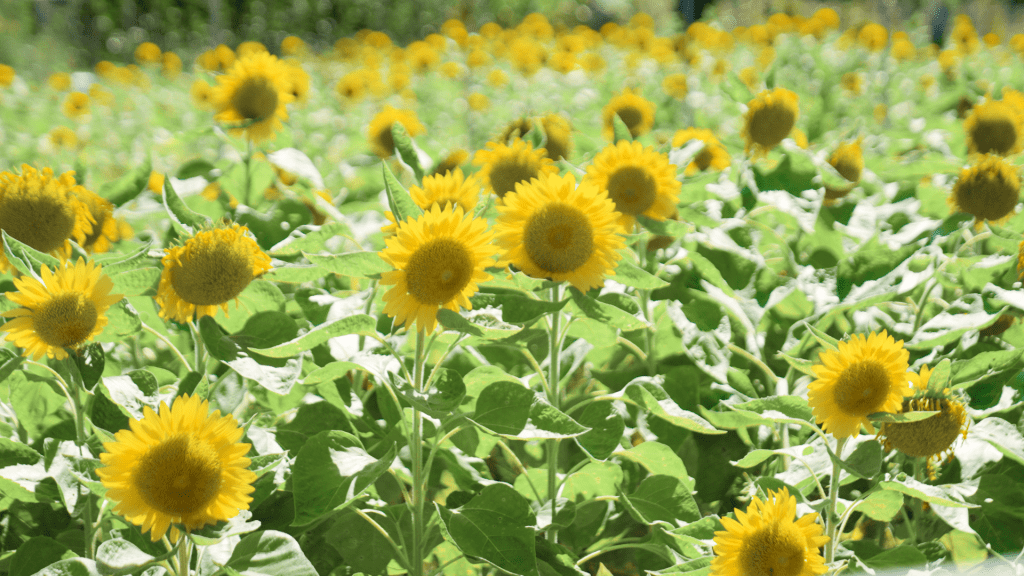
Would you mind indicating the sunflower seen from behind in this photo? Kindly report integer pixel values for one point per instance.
(634, 110)
(379, 131)
(251, 97)
(502, 166)
(551, 228)
(183, 466)
(638, 180)
(439, 259)
(60, 310)
(209, 270)
(770, 117)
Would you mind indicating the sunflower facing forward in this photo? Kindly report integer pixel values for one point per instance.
(183, 466)
(638, 180)
(503, 166)
(209, 270)
(864, 376)
(252, 96)
(550, 228)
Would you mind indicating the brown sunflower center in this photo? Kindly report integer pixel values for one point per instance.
(65, 320)
(559, 238)
(848, 166)
(987, 195)
(38, 215)
(632, 189)
(996, 135)
(704, 158)
(97, 229)
(769, 125)
(438, 271)
(179, 476)
(505, 174)
(255, 99)
(862, 388)
(632, 118)
(212, 272)
(773, 550)
(386, 140)
(928, 437)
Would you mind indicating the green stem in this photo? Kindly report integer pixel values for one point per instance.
(416, 449)
(200, 348)
(831, 524)
(554, 376)
(645, 305)
(74, 392)
(170, 344)
(185, 557)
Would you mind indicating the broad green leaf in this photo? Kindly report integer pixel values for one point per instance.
(866, 460)
(664, 498)
(939, 379)
(1000, 521)
(269, 553)
(37, 553)
(823, 338)
(548, 422)
(603, 313)
(184, 220)
(405, 150)
(882, 505)
(790, 406)
(504, 408)
(497, 526)
(443, 397)
(71, 567)
(259, 296)
(261, 177)
(119, 556)
(658, 458)
(127, 394)
(986, 365)
(358, 324)
(517, 309)
(352, 264)
(631, 275)
(240, 524)
(122, 322)
(294, 274)
(593, 480)
(654, 399)
(90, 361)
(1002, 435)
(606, 428)
(333, 371)
(620, 130)
(26, 258)
(364, 548)
(401, 203)
(457, 322)
(312, 241)
(117, 263)
(805, 366)
(263, 329)
(886, 417)
(755, 457)
(137, 282)
(128, 187)
(932, 494)
(900, 556)
(195, 167)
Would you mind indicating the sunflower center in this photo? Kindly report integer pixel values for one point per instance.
(212, 273)
(65, 320)
(438, 271)
(862, 388)
(559, 238)
(773, 551)
(930, 436)
(255, 99)
(996, 135)
(704, 158)
(506, 174)
(769, 125)
(631, 117)
(632, 189)
(386, 139)
(38, 216)
(179, 476)
(97, 228)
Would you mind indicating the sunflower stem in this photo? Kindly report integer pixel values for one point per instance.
(74, 393)
(170, 344)
(831, 524)
(645, 305)
(416, 450)
(200, 348)
(185, 557)
(554, 375)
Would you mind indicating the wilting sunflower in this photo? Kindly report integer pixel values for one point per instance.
(770, 117)
(636, 113)
(558, 136)
(989, 190)
(42, 211)
(63, 309)
(713, 155)
(637, 179)
(933, 437)
(769, 539)
(379, 132)
(251, 97)
(106, 229)
(996, 127)
(183, 466)
(503, 166)
(848, 160)
(451, 189)
(439, 259)
(864, 376)
(551, 228)
(209, 270)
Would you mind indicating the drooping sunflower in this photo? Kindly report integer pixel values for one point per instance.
(184, 466)
(63, 310)
(769, 539)
(558, 136)
(552, 228)
(107, 229)
(636, 113)
(848, 160)
(503, 166)
(251, 97)
(439, 259)
(770, 117)
(637, 179)
(989, 190)
(713, 155)
(209, 270)
(995, 127)
(42, 211)
(450, 189)
(379, 132)
(864, 376)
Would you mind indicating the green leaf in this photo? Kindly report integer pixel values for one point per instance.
(312, 241)
(195, 167)
(504, 408)
(443, 397)
(35, 554)
(886, 417)
(457, 322)
(518, 309)
(1002, 435)
(333, 371)
(26, 258)
(358, 324)
(933, 494)
(138, 282)
(904, 555)
(497, 526)
(364, 548)
(128, 395)
(755, 457)
(115, 264)
(790, 406)
(70, 567)
(652, 397)
(261, 177)
(985, 365)
(259, 296)
(330, 472)
(805, 366)
(90, 360)
(866, 460)
(939, 379)
(352, 264)
(664, 498)
(122, 321)
(593, 480)
(604, 313)
(404, 147)
(294, 274)
(119, 556)
(823, 338)
(882, 505)
(263, 329)
(606, 428)
(269, 553)
(657, 458)
(401, 203)
(240, 524)
(548, 422)
(185, 221)
(129, 186)
(620, 130)
(631, 275)
(1000, 523)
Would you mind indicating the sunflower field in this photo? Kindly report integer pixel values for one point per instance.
(540, 300)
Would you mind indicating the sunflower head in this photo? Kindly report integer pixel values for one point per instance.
(769, 539)
(770, 117)
(451, 162)
(252, 96)
(451, 189)
(76, 104)
(552, 228)
(1003, 323)
(515, 129)
(106, 230)
(996, 127)
(63, 137)
(675, 86)
(989, 190)
(59, 81)
(558, 134)
(380, 137)
(873, 36)
(848, 160)
(635, 112)
(503, 166)
(60, 310)
(713, 155)
(638, 180)
(209, 270)
(863, 376)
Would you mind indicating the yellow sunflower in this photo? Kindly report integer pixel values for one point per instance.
(864, 376)
(106, 230)
(996, 127)
(551, 228)
(183, 466)
(989, 190)
(59, 81)
(768, 539)
(558, 133)
(352, 86)
(251, 97)
(209, 270)
(451, 162)
(379, 132)
(76, 105)
(713, 155)
(439, 259)
(63, 137)
(636, 113)
(637, 179)
(848, 160)
(42, 211)
(450, 189)
(503, 166)
(62, 310)
(675, 86)
(770, 117)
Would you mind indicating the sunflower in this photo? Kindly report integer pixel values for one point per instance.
(713, 155)
(634, 111)
(209, 270)
(451, 162)
(352, 86)
(638, 180)
(298, 82)
(76, 105)
(147, 53)
(478, 102)
(864, 376)
(503, 166)
(768, 539)
(848, 160)
(444, 190)
(551, 228)
(170, 65)
(292, 45)
(183, 466)
(42, 211)
(106, 229)
(252, 96)
(996, 127)
(59, 81)
(770, 117)
(63, 137)
(989, 190)
(63, 309)
(379, 132)
(439, 259)
(515, 129)
(7, 75)
(675, 86)
(933, 437)
(558, 133)
(873, 36)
